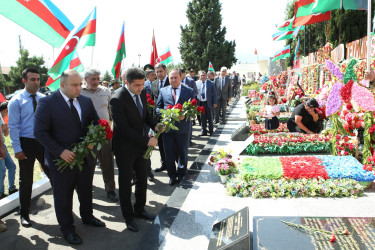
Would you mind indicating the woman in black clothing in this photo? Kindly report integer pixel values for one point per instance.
(304, 118)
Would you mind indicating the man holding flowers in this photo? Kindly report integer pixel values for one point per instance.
(176, 141)
(130, 115)
(61, 120)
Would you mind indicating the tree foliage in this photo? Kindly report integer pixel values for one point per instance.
(107, 77)
(353, 27)
(23, 62)
(203, 39)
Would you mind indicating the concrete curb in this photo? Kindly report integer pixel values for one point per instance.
(12, 201)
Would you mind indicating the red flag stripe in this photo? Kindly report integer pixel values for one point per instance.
(74, 63)
(283, 52)
(46, 15)
(165, 56)
(121, 41)
(89, 29)
(117, 69)
(69, 48)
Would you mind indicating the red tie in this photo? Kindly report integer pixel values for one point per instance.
(174, 94)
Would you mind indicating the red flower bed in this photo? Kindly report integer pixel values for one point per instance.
(308, 167)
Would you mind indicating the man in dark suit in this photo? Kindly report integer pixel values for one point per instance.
(224, 93)
(190, 82)
(235, 83)
(161, 82)
(207, 98)
(130, 140)
(61, 120)
(176, 142)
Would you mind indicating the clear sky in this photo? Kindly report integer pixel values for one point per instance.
(250, 23)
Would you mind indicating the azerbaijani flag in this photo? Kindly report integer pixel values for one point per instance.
(210, 67)
(285, 35)
(120, 54)
(296, 53)
(75, 64)
(283, 53)
(40, 17)
(166, 57)
(286, 25)
(327, 5)
(154, 51)
(302, 10)
(84, 36)
(277, 35)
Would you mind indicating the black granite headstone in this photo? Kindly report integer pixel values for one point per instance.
(271, 233)
(232, 232)
(242, 133)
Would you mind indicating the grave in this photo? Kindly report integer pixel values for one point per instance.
(272, 233)
(232, 232)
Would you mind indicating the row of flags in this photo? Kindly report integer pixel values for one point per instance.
(48, 22)
(308, 12)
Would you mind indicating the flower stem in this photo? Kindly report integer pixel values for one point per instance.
(151, 148)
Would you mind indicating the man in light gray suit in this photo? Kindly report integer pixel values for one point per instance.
(208, 99)
(224, 93)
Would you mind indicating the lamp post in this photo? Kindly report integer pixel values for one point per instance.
(139, 60)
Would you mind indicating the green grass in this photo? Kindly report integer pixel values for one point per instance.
(37, 168)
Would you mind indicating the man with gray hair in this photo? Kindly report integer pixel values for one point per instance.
(224, 93)
(101, 96)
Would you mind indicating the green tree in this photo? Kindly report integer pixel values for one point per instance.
(4, 83)
(107, 77)
(203, 39)
(23, 62)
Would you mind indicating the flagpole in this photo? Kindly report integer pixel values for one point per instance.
(92, 55)
(368, 36)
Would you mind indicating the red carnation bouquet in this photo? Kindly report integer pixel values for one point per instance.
(95, 137)
(173, 114)
(150, 102)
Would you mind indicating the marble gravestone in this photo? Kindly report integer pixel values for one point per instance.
(271, 233)
(232, 232)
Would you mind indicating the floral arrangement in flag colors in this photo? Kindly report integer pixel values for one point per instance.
(288, 143)
(301, 176)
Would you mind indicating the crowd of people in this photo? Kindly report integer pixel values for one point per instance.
(43, 128)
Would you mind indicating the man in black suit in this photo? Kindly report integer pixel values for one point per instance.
(224, 93)
(130, 117)
(61, 120)
(161, 81)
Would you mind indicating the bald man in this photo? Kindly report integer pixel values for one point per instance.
(61, 119)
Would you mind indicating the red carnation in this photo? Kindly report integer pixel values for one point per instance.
(202, 110)
(109, 135)
(169, 107)
(148, 96)
(358, 124)
(333, 239)
(103, 123)
(349, 106)
(151, 102)
(178, 106)
(194, 102)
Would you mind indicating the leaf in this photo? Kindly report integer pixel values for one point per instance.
(93, 154)
(99, 146)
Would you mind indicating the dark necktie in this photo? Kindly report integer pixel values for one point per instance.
(203, 94)
(174, 94)
(74, 112)
(34, 101)
(161, 84)
(140, 108)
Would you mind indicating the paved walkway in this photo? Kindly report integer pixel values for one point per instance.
(45, 231)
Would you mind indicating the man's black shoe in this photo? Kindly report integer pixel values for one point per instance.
(203, 134)
(151, 178)
(172, 181)
(132, 226)
(112, 196)
(72, 238)
(25, 221)
(144, 215)
(161, 168)
(13, 191)
(94, 222)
